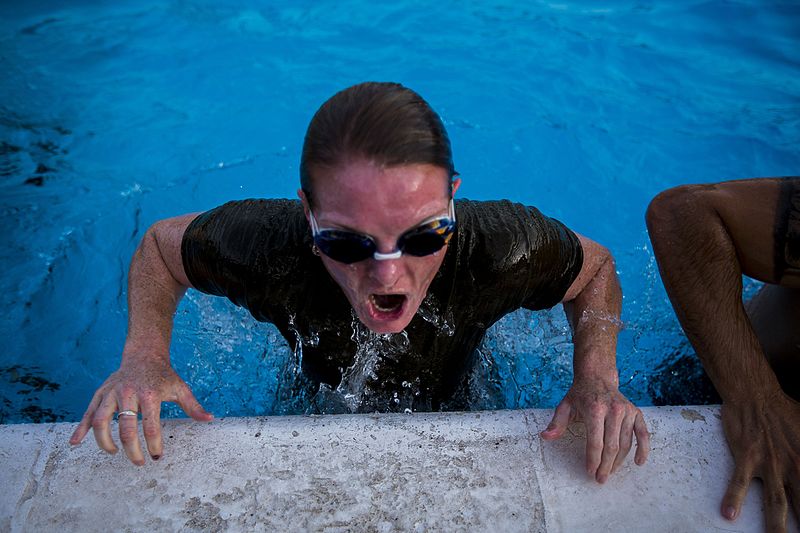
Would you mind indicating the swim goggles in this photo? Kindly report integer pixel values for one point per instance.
(350, 247)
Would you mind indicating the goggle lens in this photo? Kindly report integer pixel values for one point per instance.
(344, 246)
(350, 247)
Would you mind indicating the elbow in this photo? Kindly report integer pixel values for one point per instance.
(598, 269)
(161, 247)
(608, 267)
(674, 211)
(597, 257)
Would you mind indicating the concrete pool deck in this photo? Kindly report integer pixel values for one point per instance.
(482, 471)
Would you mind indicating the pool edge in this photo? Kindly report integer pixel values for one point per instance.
(441, 471)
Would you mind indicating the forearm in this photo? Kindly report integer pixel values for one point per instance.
(153, 296)
(703, 278)
(594, 315)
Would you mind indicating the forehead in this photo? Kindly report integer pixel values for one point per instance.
(363, 187)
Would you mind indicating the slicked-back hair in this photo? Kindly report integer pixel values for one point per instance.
(381, 122)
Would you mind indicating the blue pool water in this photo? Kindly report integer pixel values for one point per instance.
(114, 117)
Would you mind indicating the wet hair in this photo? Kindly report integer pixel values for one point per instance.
(382, 122)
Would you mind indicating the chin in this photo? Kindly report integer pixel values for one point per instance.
(383, 327)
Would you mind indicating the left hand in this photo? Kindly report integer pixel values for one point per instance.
(611, 421)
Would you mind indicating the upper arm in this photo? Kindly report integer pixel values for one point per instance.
(168, 235)
(554, 260)
(687, 222)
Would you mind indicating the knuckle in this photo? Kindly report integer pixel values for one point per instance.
(738, 484)
(151, 431)
(149, 396)
(612, 447)
(774, 498)
(595, 447)
(617, 409)
(127, 435)
(597, 409)
(99, 421)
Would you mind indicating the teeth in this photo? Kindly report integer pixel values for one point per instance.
(387, 303)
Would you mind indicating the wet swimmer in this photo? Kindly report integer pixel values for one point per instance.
(376, 244)
(704, 238)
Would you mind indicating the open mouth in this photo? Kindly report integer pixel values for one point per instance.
(387, 306)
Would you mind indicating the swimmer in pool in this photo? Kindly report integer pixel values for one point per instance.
(705, 237)
(375, 235)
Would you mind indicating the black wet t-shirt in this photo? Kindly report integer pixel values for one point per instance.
(503, 256)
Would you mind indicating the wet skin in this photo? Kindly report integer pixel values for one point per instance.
(383, 203)
(704, 238)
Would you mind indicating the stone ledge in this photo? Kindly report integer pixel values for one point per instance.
(425, 471)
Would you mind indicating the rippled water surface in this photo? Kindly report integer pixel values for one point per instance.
(114, 116)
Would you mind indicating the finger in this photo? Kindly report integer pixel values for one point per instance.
(642, 439)
(561, 419)
(86, 422)
(129, 434)
(776, 508)
(101, 423)
(611, 435)
(191, 406)
(625, 440)
(737, 489)
(151, 427)
(595, 427)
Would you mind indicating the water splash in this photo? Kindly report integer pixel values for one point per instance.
(311, 340)
(605, 318)
(429, 312)
(361, 389)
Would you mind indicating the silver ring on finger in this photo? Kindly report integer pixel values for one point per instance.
(127, 413)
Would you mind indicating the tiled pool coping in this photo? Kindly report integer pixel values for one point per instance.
(486, 471)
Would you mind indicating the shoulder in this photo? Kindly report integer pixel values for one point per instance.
(252, 212)
(514, 255)
(250, 233)
(507, 230)
(275, 221)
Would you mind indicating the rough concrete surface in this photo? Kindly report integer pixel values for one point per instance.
(485, 471)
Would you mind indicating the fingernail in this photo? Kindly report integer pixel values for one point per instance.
(602, 479)
(730, 512)
(155, 457)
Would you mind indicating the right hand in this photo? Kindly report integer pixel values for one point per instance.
(764, 439)
(611, 422)
(140, 385)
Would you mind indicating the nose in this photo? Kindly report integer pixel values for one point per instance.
(385, 272)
